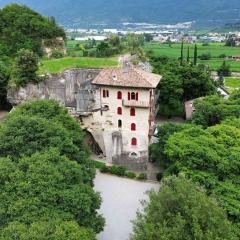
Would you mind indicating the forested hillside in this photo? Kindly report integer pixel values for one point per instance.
(85, 13)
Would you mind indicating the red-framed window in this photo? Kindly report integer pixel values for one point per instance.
(119, 95)
(133, 127)
(132, 112)
(119, 111)
(134, 142)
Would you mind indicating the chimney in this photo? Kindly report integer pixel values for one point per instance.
(126, 67)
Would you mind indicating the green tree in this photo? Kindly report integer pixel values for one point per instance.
(25, 68)
(196, 82)
(171, 91)
(211, 158)
(224, 70)
(114, 40)
(195, 55)
(213, 110)
(188, 55)
(135, 41)
(157, 150)
(52, 230)
(181, 57)
(21, 27)
(47, 186)
(181, 211)
(148, 37)
(39, 125)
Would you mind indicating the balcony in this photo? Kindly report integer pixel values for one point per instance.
(136, 104)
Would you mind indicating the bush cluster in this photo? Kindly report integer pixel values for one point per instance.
(119, 171)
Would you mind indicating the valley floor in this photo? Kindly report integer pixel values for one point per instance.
(121, 200)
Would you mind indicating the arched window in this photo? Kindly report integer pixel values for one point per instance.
(107, 93)
(132, 112)
(133, 96)
(119, 123)
(104, 93)
(119, 111)
(129, 96)
(119, 95)
(133, 127)
(134, 142)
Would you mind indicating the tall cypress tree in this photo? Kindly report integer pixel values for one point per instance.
(195, 55)
(181, 58)
(188, 55)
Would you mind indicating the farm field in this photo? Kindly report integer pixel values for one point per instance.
(58, 65)
(232, 82)
(214, 49)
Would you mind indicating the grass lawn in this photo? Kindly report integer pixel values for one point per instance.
(232, 82)
(58, 65)
(215, 49)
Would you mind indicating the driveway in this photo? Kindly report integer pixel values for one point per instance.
(121, 200)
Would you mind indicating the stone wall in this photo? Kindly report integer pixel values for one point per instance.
(131, 162)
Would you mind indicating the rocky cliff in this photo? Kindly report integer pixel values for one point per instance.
(62, 87)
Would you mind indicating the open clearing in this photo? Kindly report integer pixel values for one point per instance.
(121, 200)
(215, 50)
(58, 65)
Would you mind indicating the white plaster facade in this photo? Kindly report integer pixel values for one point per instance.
(103, 124)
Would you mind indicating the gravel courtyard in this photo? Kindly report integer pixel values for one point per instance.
(121, 200)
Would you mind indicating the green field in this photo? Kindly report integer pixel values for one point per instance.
(58, 65)
(215, 49)
(232, 82)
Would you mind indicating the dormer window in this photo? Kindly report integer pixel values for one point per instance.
(114, 78)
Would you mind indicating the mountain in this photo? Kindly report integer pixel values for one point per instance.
(82, 13)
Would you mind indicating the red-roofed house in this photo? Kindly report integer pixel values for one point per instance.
(124, 125)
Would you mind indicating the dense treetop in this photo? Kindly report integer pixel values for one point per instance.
(180, 83)
(181, 211)
(46, 176)
(21, 27)
(213, 110)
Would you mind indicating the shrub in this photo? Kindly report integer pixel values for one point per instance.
(119, 171)
(57, 54)
(222, 55)
(142, 176)
(205, 56)
(98, 165)
(131, 175)
(105, 169)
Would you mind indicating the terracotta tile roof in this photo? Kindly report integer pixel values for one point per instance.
(127, 77)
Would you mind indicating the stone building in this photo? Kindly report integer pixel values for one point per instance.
(123, 124)
(115, 106)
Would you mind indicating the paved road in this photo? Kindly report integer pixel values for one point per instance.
(121, 199)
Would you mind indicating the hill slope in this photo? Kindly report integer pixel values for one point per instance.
(84, 13)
